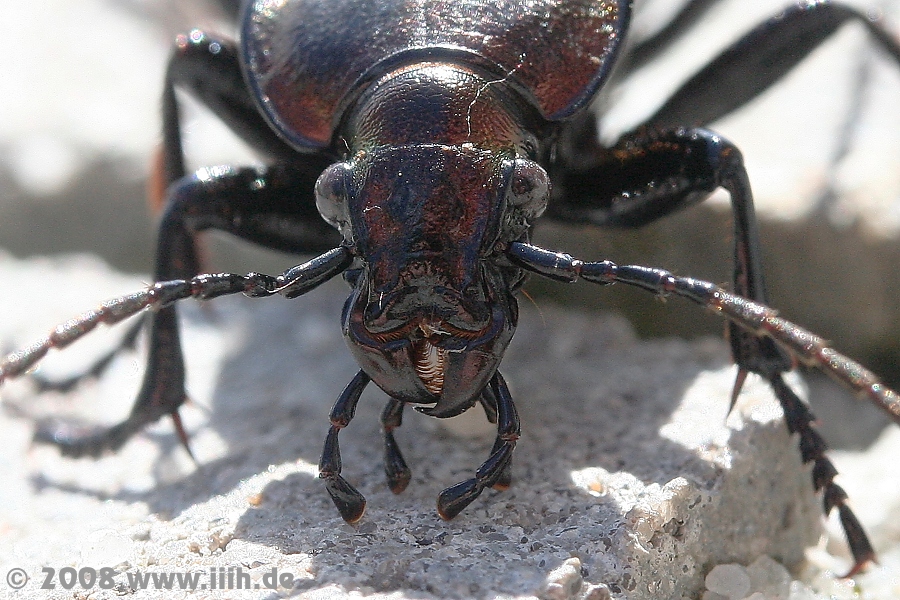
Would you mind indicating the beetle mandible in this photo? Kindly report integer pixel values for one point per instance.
(412, 147)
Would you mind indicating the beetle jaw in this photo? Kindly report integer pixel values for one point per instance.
(429, 361)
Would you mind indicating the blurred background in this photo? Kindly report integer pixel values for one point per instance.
(79, 102)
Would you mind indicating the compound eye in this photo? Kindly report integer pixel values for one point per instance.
(529, 188)
(332, 191)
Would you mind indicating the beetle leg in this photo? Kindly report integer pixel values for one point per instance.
(648, 49)
(759, 59)
(758, 320)
(207, 67)
(649, 175)
(663, 172)
(274, 208)
(163, 389)
(349, 502)
(398, 473)
(163, 294)
(257, 205)
(489, 404)
(800, 420)
(454, 499)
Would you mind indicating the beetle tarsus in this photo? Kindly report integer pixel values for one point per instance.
(496, 470)
(395, 467)
(457, 497)
(349, 502)
(800, 420)
(163, 389)
(860, 547)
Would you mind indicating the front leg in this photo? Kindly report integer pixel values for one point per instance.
(395, 467)
(347, 499)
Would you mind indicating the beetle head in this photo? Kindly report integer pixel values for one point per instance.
(429, 214)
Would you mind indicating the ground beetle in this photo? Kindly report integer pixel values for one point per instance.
(412, 146)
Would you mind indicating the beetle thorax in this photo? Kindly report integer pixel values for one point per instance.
(438, 103)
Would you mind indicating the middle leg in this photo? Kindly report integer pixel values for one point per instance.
(649, 175)
(759, 320)
(265, 207)
(645, 178)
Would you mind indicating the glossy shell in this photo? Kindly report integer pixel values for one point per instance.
(307, 59)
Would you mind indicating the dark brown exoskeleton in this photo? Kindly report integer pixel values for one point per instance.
(412, 147)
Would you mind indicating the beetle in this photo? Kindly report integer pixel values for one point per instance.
(412, 147)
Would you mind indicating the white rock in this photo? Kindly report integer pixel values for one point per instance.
(769, 578)
(730, 581)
